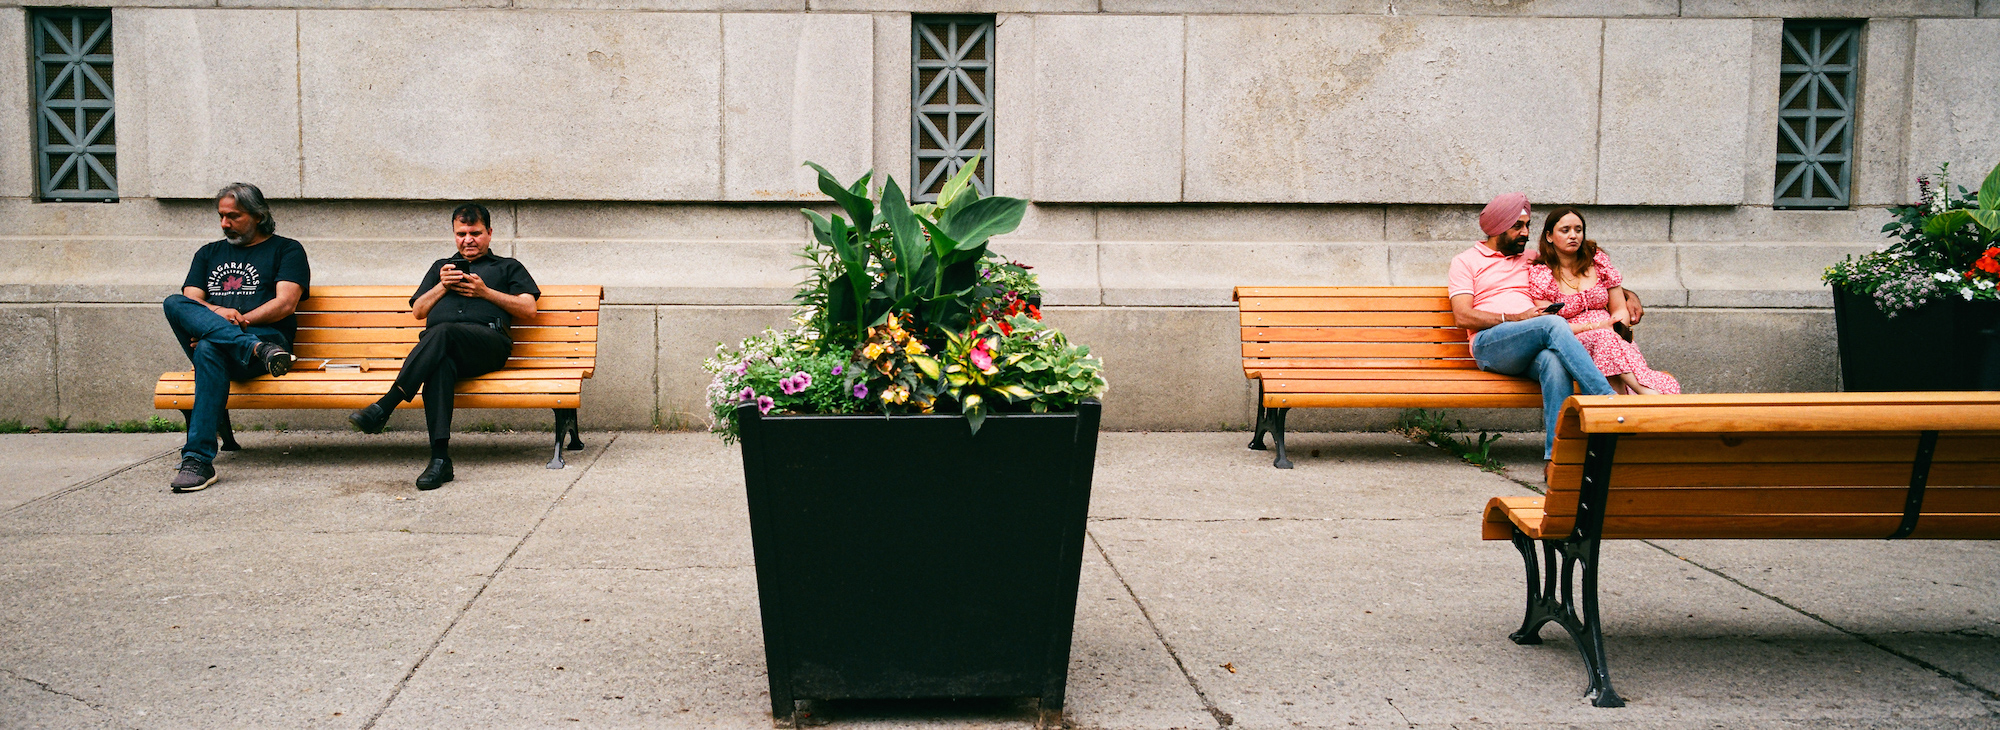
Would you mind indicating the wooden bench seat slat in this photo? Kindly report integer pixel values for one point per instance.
(1254, 366)
(1353, 334)
(1796, 418)
(1470, 387)
(409, 335)
(1345, 319)
(1346, 291)
(1344, 349)
(1439, 374)
(1787, 448)
(1642, 502)
(386, 375)
(1886, 474)
(542, 318)
(1405, 400)
(369, 290)
(1771, 527)
(1343, 304)
(402, 304)
(288, 386)
(351, 402)
(397, 350)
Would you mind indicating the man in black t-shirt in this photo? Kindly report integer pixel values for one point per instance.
(234, 318)
(467, 303)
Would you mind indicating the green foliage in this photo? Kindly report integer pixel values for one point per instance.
(760, 368)
(1936, 245)
(12, 425)
(55, 425)
(928, 264)
(1431, 427)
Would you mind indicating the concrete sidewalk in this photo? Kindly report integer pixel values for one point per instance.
(314, 587)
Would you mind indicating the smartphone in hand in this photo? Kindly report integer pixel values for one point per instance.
(1552, 308)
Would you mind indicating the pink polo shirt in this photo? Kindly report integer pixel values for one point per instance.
(1498, 284)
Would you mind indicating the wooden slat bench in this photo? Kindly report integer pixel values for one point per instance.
(1744, 466)
(1362, 347)
(554, 351)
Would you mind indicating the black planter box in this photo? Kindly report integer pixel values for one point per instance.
(1944, 345)
(903, 557)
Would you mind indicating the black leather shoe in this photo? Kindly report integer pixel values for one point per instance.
(276, 360)
(435, 475)
(370, 419)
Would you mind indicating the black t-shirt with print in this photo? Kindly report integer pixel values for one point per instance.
(244, 278)
(500, 273)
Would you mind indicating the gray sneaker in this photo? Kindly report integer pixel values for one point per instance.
(194, 475)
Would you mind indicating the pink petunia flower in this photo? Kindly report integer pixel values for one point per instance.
(860, 390)
(804, 379)
(836, 369)
(747, 394)
(764, 404)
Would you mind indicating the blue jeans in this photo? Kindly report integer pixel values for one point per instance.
(221, 352)
(1543, 348)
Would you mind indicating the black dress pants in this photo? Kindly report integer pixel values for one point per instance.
(444, 354)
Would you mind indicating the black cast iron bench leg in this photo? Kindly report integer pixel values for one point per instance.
(565, 426)
(1278, 435)
(1257, 441)
(1552, 600)
(222, 429)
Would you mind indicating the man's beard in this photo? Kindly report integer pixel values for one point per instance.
(1512, 246)
(235, 239)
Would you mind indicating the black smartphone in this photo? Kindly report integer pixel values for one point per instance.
(1552, 308)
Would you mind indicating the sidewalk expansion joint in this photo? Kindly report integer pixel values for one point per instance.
(632, 568)
(87, 483)
(1191, 520)
(1222, 719)
(466, 608)
(1989, 695)
(44, 686)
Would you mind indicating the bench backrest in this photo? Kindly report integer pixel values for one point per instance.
(1780, 465)
(374, 323)
(1401, 327)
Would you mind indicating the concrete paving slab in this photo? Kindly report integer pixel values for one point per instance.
(62, 460)
(660, 501)
(1212, 476)
(231, 629)
(1405, 622)
(308, 481)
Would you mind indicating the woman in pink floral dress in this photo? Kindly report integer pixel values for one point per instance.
(1577, 274)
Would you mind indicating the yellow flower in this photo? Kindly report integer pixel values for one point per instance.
(872, 351)
(914, 348)
(895, 394)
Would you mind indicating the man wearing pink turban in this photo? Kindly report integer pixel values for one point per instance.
(1488, 286)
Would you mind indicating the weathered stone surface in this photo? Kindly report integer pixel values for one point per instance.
(795, 87)
(688, 336)
(17, 160)
(1879, 141)
(670, 272)
(1240, 223)
(1015, 80)
(957, 6)
(1246, 6)
(1206, 273)
(1760, 275)
(368, 4)
(109, 357)
(1743, 351)
(1760, 159)
(682, 222)
(1955, 102)
(1764, 224)
(892, 82)
(1302, 108)
(84, 270)
(1812, 9)
(28, 363)
(1204, 388)
(23, 218)
(672, 5)
(426, 220)
(574, 105)
(1675, 112)
(623, 391)
(1066, 270)
(1056, 223)
(1101, 136)
(222, 99)
(1559, 8)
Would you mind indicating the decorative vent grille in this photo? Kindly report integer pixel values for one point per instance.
(951, 102)
(75, 140)
(1816, 113)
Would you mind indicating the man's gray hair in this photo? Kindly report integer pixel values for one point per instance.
(250, 200)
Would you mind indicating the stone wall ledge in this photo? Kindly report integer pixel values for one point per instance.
(1471, 8)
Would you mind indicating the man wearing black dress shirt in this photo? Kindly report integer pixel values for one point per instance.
(467, 303)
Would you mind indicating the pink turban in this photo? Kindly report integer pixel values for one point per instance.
(1501, 214)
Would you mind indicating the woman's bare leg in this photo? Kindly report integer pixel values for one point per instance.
(1630, 384)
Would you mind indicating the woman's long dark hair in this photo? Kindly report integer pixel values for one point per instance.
(1545, 252)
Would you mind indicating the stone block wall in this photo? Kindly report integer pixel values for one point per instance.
(1175, 148)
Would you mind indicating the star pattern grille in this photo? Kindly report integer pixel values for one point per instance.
(1816, 113)
(952, 102)
(75, 135)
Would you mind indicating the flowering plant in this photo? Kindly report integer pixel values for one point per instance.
(1939, 244)
(907, 313)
